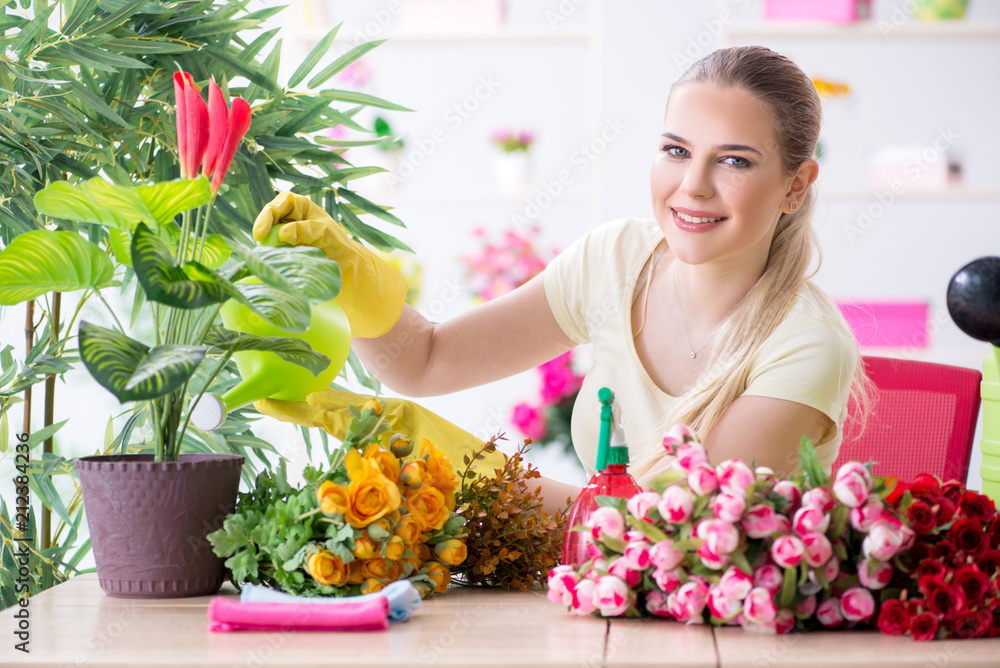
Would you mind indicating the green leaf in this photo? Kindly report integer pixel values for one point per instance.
(648, 529)
(741, 562)
(298, 270)
(811, 464)
(94, 201)
(362, 98)
(167, 283)
(616, 544)
(42, 261)
(320, 50)
(82, 10)
(165, 200)
(787, 593)
(104, 24)
(342, 62)
(4, 432)
(368, 206)
(284, 311)
(287, 347)
(131, 370)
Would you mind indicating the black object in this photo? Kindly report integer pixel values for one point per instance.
(974, 299)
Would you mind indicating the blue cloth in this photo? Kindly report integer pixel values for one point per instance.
(403, 598)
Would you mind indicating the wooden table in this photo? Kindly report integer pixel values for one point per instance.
(76, 624)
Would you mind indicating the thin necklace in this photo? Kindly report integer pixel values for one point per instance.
(680, 307)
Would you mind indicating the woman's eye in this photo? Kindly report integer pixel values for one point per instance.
(670, 148)
(741, 162)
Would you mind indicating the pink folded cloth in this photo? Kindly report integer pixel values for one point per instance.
(228, 615)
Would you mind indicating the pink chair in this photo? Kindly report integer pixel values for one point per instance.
(922, 420)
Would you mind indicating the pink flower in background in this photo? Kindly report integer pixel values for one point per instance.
(875, 575)
(735, 476)
(818, 549)
(529, 421)
(612, 596)
(582, 602)
(667, 579)
(759, 606)
(608, 520)
(828, 613)
(688, 602)
(760, 521)
(656, 603)
(857, 604)
(640, 504)
(819, 497)
(558, 379)
(676, 504)
(562, 582)
(729, 507)
(787, 551)
(735, 584)
(663, 555)
(357, 74)
(769, 577)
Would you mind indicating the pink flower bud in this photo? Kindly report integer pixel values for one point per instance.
(582, 602)
(828, 612)
(688, 603)
(735, 584)
(702, 479)
(810, 519)
(656, 603)
(608, 520)
(640, 504)
(884, 539)
(791, 493)
(768, 576)
(678, 434)
(818, 549)
(857, 604)
(676, 505)
(875, 575)
(633, 536)
(637, 555)
(721, 606)
(851, 489)
(864, 515)
(760, 521)
(562, 580)
(855, 468)
(729, 507)
(711, 559)
(721, 536)
(619, 567)
(787, 551)
(806, 608)
(664, 555)
(735, 476)
(818, 497)
(599, 566)
(784, 621)
(687, 456)
(759, 606)
(667, 580)
(612, 596)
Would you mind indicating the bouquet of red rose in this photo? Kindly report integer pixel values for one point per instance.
(731, 545)
(946, 584)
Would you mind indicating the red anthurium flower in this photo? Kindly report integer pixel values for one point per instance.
(192, 124)
(218, 125)
(239, 123)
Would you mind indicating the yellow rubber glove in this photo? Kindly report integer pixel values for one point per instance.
(373, 293)
(328, 411)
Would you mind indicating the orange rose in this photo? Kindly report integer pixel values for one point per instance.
(365, 547)
(427, 506)
(374, 568)
(386, 461)
(394, 550)
(409, 530)
(371, 586)
(393, 572)
(354, 575)
(333, 499)
(451, 551)
(374, 404)
(372, 495)
(440, 574)
(439, 469)
(423, 552)
(327, 569)
(414, 473)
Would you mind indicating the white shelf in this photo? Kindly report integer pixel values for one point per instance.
(950, 194)
(472, 35)
(882, 29)
(466, 197)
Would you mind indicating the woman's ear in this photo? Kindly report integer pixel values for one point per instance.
(804, 177)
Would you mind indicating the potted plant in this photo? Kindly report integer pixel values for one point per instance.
(149, 513)
(513, 165)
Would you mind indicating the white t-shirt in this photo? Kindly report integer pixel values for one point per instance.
(810, 358)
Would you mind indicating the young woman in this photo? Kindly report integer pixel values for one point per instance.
(703, 315)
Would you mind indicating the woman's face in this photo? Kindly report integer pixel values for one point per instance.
(718, 158)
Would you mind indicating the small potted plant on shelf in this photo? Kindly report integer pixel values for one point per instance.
(513, 165)
(149, 513)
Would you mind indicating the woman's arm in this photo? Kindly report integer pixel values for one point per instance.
(767, 430)
(555, 494)
(500, 338)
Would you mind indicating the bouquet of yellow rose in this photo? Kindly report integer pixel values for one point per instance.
(382, 511)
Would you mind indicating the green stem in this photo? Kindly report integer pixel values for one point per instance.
(309, 514)
(203, 232)
(110, 310)
(185, 233)
(154, 421)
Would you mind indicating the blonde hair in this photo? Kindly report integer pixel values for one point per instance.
(785, 91)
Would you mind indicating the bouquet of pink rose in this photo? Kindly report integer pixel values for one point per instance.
(731, 545)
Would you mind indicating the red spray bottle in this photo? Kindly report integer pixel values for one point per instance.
(611, 479)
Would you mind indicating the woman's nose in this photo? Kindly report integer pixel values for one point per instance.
(697, 181)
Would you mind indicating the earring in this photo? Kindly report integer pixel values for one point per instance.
(794, 206)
